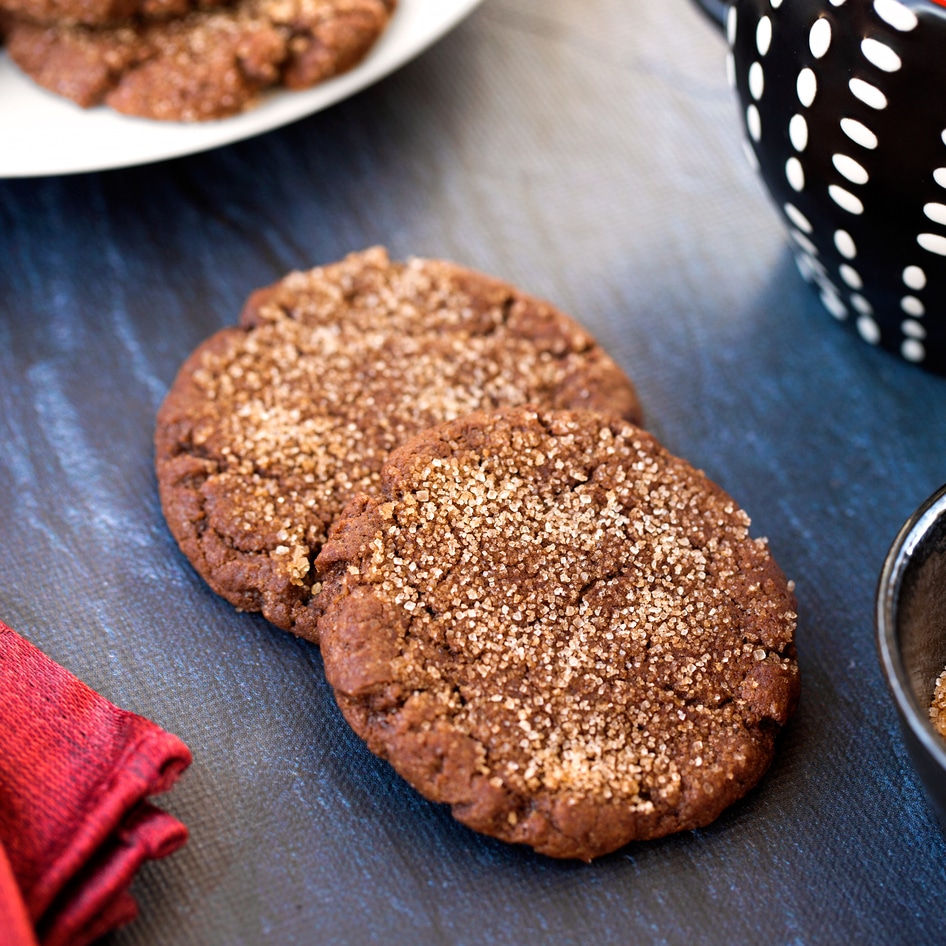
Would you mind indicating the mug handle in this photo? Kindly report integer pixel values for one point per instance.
(715, 10)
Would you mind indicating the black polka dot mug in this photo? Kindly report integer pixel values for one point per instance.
(844, 108)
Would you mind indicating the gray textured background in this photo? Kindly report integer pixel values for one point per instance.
(588, 150)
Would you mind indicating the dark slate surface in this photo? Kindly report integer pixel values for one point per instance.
(589, 151)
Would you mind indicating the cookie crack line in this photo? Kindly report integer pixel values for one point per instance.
(202, 525)
(505, 307)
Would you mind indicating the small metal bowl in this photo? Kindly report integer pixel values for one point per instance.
(911, 637)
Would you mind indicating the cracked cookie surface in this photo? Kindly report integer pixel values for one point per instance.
(209, 63)
(272, 426)
(546, 621)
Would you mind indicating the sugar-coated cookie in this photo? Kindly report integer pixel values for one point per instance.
(101, 12)
(548, 622)
(272, 426)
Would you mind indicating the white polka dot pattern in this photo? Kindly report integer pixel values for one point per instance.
(798, 218)
(881, 55)
(832, 302)
(798, 132)
(914, 278)
(845, 199)
(896, 14)
(936, 212)
(763, 35)
(845, 244)
(861, 304)
(851, 276)
(859, 133)
(933, 243)
(803, 242)
(819, 39)
(795, 174)
(756, 81)
(803, 262)
(868, 94)
(855, 172)
(821, 82)
(754, 123)
(869, 330)
(807, 87)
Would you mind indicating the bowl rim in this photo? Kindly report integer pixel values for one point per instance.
(911, 534)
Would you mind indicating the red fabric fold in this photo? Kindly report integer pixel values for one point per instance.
(75, 771)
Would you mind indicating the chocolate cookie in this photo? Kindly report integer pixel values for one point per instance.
(205, 65)
(271, 427)
(101, 12)
(551, 624)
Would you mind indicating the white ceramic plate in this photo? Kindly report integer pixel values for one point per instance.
(42, 134)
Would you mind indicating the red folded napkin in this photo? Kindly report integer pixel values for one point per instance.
(75, 825)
